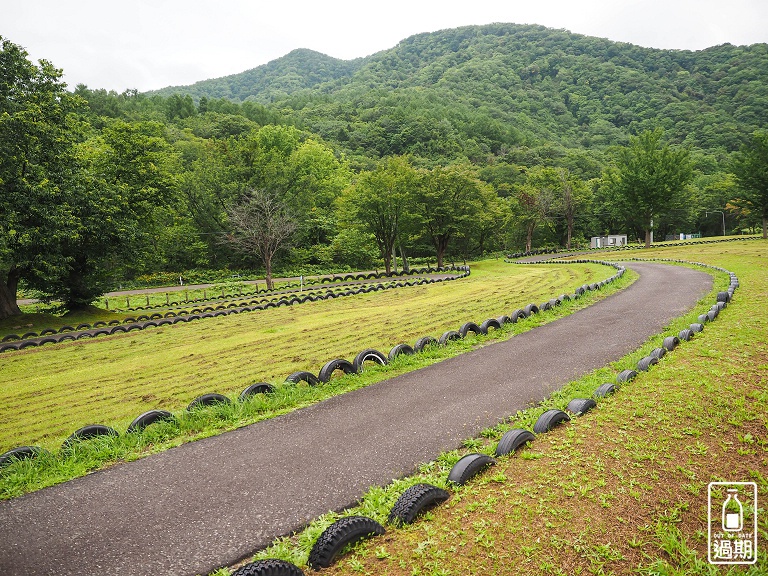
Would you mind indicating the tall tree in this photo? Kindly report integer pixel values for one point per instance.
(378, 203)
(445, 203)
(648, 178)
(750, 166)
(573, 197)
(260, 224)
(38, 131)
(533, 202)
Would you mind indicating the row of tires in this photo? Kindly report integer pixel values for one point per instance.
(633, 246)
(421, 497)
(13, 342)
(325, 374)
(334, 278)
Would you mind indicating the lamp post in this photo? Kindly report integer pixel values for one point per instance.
(718, 212)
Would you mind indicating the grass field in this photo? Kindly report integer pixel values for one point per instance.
(621, 490)
(51, 391)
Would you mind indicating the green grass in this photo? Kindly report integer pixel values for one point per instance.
(622, 490)
(54, 390)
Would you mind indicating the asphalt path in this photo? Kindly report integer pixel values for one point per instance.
(192, 509)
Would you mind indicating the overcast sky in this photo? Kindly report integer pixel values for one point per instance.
(149, 44)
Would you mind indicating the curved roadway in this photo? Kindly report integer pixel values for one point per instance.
(210, 503)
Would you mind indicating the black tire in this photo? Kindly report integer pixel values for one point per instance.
(47, 331)
(414, 501)
(645, 363)
(368, 355)
(503, 319)
(258, 388)
(117, 329)
(423, 342)
(685, 335)
(626, 375)
(150, 417)
(10, 338)
(303, 376)
(20, 453)
(326, 372)
(71, 328)
(468, 327)
(208, 400)
(658, 353)
(564, 298)
(448, 336)
(469, 467)
(605, 390)
(83, 326)
(9, 346)
(88, 432)
(703, 318)
(399, 349)
(531, 309)
(670, 343)
(723, 297)
(581, 405)
(270, 567)
(549, 420)
(696, 327)
(29, 335)
(516, 315)
(488, 324)
(512, 440)
(338, 535)
(545, 306)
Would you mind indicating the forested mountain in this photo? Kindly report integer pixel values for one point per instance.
(479, 90)
(300, 69)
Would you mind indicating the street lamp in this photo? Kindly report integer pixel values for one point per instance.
(718, 212)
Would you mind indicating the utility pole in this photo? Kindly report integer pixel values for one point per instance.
(717, 212)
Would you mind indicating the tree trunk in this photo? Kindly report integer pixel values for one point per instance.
(388, 261)
(268, 275)
(441, 245)
(529, 236)
(406, 268)
(765, 227)
(8, 289)
(570, 234)
(647, 237)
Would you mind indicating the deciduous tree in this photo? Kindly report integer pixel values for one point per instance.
(648, 178)
(751, 169)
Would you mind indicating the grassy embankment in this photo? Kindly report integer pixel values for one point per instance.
(621, 490)
(49, 392)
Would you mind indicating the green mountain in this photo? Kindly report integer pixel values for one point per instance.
(298, 70)
(485, 90)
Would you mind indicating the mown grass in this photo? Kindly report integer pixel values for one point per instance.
(621, 490)
(52, 391)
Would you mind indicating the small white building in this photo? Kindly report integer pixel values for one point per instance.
(609, 241)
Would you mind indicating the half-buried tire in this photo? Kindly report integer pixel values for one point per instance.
(414, 501)
(670, 343)
(645, 363)
(210, 399)
(368, 355)
(581, 405)
(448, 336)
(468, 467)
(143, 420)
(338, 535)
(549, 420)
(20, 453)
(270, 567)
(326, 372)
(302, 376)
(88, 432)
(399, 349)
(605, 390)
(423, 342)
(626, 375)
(468, 327)
(512, 440)
(255, 389)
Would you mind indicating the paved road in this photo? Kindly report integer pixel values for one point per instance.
(213, 502)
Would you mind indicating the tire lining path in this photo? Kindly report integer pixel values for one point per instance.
(211, 503)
